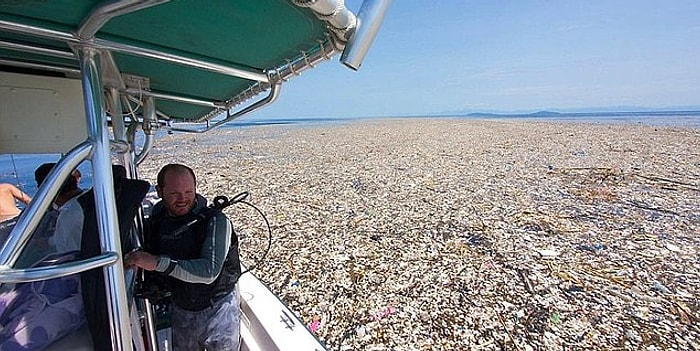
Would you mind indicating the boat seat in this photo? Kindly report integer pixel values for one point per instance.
(129, 194)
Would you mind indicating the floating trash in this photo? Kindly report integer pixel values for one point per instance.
(546, 253)
(490, 235)
(660, 287)
(596, 248)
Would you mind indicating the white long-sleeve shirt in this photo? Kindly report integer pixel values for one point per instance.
(69, 227)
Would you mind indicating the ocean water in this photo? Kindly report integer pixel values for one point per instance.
(686, 119)
(19, 169)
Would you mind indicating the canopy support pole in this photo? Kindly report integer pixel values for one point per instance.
(105, 205)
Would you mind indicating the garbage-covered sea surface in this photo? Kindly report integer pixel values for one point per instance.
(440, 234)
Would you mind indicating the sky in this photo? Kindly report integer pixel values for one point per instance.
(462, 56)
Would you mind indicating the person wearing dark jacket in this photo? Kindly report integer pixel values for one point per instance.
(194, 246)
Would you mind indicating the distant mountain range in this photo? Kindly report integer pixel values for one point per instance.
(555, 114)
(534, 114)
(568, 112)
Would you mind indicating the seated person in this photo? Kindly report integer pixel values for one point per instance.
(42, 242)
(34, 315)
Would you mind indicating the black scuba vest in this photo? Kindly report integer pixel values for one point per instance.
(171, 237)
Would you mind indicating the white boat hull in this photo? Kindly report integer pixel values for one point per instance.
(267, 323)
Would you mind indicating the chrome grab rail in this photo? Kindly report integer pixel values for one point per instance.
(25, 275)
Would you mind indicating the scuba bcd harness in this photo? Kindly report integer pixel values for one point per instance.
(154, 286)
(219, 203)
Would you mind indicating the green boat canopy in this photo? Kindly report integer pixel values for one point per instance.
(198, 60)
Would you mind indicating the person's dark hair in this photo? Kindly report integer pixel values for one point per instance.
(43, 171)
(176, 168)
